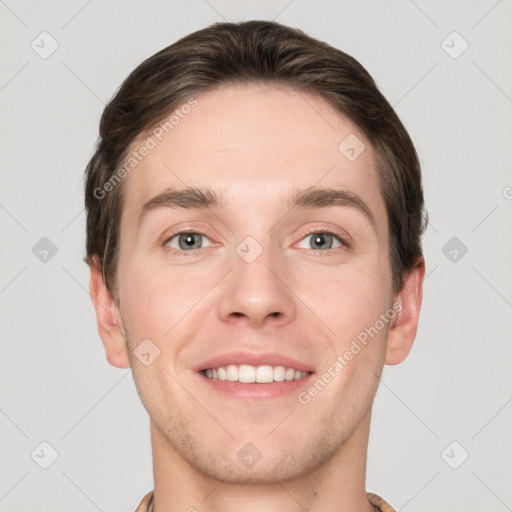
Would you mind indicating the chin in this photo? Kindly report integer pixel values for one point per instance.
(259, 462)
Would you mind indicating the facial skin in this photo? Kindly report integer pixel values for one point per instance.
(254, 146)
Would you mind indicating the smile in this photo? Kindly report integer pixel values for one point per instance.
(248, 374)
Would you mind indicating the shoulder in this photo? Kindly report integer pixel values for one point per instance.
(146, 505)
(381, 504)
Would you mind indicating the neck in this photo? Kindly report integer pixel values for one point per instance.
(338, 485)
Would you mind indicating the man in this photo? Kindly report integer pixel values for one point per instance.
(254, 222)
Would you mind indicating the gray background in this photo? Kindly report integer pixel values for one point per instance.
(456, 385)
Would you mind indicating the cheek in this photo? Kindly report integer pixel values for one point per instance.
(347, 299)
(351, 303)
(155, 299)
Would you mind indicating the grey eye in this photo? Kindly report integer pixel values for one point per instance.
(187, 241)
(319, 241)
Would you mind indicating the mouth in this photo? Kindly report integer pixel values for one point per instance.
(249, 374)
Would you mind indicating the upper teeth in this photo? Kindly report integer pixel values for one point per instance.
(246, 373)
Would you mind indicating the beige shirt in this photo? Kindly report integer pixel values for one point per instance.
(146, 505)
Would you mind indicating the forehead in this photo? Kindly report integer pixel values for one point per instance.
(255, 141)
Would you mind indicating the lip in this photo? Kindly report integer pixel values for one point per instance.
(255, 390)
(253, 359)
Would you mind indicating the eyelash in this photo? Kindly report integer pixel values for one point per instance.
(183, 232)
(341, 238)
(345, 244)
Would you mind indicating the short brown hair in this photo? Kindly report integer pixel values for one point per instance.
(253, 52)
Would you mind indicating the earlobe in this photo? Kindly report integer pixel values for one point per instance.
(403, 331)
(108, 318)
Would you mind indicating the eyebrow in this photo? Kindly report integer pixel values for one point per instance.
(185, 198)
(312, 197)
(315, 197)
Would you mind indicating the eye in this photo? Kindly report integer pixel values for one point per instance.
(322, 241)
(187, 241)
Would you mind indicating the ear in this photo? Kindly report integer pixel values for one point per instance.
(108, 317)
(403, 330)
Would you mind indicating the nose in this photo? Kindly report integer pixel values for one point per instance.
(257, 292)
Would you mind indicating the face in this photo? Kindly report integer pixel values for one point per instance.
(271, 269)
